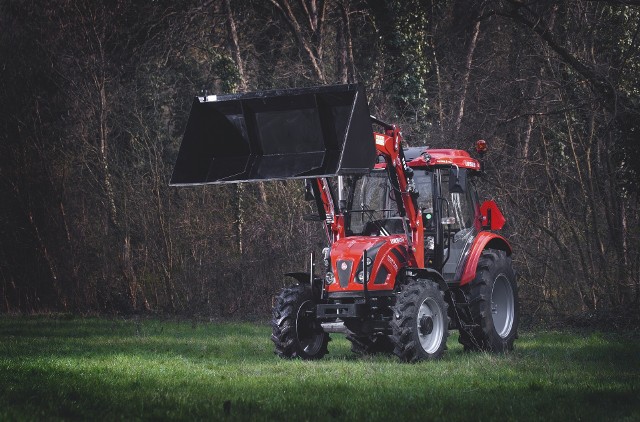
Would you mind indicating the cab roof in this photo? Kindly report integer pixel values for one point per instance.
(426, 157)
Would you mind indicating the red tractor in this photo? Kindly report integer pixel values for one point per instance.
(411, 252)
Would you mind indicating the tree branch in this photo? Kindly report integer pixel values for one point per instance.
(600, 85)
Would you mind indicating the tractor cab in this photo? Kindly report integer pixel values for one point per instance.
(452, 226)
(445, 194)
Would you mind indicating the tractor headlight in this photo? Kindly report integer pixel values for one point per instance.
(326, 256)
(360, 277)
(329, 278)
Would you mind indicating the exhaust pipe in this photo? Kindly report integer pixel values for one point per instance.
(335, 327)
(275, 135)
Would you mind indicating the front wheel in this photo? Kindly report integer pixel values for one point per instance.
(295, 330)
(420, 322)
(494, 307)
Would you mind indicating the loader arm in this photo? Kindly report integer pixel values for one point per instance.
(334, 221)
(389, 145)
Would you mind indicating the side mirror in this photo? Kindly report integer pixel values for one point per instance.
(457, 180)
(492, 218)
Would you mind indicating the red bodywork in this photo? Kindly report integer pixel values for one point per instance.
(382, 273)
(483, 240)
(447, 157)
(395, 253)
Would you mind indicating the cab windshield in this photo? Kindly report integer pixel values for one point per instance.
(372, 206)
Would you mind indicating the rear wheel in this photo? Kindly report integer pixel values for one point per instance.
(420, 322)
(494, 307)
(295, 330)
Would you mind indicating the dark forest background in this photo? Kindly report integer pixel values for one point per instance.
(94, 97)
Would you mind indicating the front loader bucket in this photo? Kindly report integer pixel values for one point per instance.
(286, 134)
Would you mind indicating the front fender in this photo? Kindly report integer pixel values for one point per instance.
(303, 278)
(426, 273)
(484, 240)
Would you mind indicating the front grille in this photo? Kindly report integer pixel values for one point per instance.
(344, 274)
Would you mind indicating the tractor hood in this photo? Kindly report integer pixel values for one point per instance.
(386, 256)
(284, 134)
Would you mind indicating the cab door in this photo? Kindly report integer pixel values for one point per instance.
(459, 214)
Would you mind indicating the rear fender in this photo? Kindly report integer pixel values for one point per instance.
(484, 240)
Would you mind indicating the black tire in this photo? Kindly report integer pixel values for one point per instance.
(420, 322)
(296, 331)
(371, 345)
(493, 305)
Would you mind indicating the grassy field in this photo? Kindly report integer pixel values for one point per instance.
(106, 369)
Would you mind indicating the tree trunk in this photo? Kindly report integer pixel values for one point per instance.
(235, 46)
(314, 12)
(347, 62)
(467, 74)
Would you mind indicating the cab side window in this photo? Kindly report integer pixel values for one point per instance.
(460, 205)
(424, 184)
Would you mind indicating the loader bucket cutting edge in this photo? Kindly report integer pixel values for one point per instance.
(274, 135)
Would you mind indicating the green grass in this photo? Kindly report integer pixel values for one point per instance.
(102, 369)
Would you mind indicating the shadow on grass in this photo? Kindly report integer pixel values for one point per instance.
(67, 394)
(111, 369)
(591, 350)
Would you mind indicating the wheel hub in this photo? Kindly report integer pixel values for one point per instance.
(430, 325)
(426, 325)
(502, 306)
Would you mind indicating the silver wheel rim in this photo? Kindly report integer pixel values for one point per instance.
(430, 325)
(502, 306)
(309, 338)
